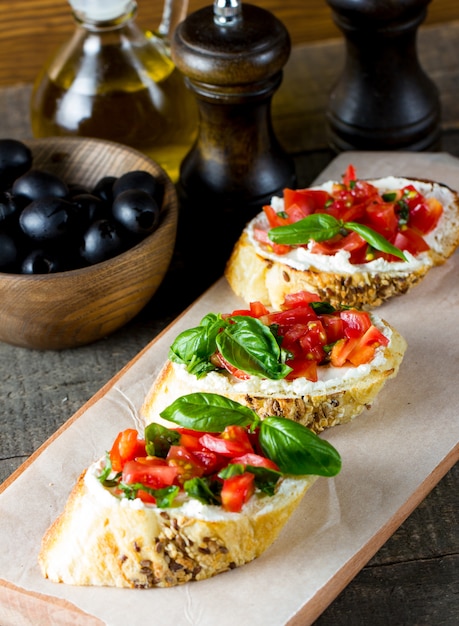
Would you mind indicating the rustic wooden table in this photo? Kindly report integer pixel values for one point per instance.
(413, 579)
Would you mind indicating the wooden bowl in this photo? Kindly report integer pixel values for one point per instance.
(74, 308)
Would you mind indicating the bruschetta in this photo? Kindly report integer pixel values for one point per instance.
(356, 243)
(206, 494)
(308, 362)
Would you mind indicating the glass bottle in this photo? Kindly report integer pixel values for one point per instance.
(113, 81)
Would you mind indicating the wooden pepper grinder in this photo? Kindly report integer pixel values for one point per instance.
(232, 56)
(383, 100)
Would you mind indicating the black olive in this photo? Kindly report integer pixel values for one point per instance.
(42, 262)
(137, 211)
(10, 207)
(104, 188)
(89, 208)
(48, 219)
(103, 240)
(36, 184)
(15, 160)
(139, 179)
(9, 252)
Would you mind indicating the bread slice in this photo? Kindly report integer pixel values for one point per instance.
(255, 274)
(340, 395)
(104, 541)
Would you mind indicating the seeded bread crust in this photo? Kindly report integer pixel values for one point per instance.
(318, 410)
(254, 277)
(100, 544)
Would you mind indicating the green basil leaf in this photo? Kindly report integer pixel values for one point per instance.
(107, 469)
(202, 490)
(249, 345)
(318, 226)
(296, 449)
(158, 439)
(208, 412)
(265, 479)
(232, 469)
(375, 239)
(389, 196)
(164, 497)
(195, 346)
(322, 307)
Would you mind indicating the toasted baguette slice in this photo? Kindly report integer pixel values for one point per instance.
(101, 540)
(255, 274)
(338, 397)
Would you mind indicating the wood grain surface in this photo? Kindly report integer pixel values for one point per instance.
(31, 30)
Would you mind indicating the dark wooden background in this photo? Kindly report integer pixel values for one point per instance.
(31, 30)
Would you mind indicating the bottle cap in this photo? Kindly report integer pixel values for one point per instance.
(101, 10)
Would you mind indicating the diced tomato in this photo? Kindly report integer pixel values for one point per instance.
(146, 497)
(425, 215)
(127, 446)
(300, 298)
(236, 491)
(288, 317)
(383, 218)
(355, 322)
(341, 350)
(155, 473)
(258, 309)
(312, 343)
(257, 460)
(364, 351)
(261, 236)
(333, 325)
(350, 242)
(234, 371)
(187, 464)
(302, 368)
(300, 203)
(349, 176)
(275, 219)
(411, 241)
(233, 441)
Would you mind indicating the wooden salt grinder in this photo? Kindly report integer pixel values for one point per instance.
(383, 99)
(231, 55)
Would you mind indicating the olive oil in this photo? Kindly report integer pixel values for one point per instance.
(112, 81)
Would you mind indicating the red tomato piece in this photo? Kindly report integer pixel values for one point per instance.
(127, 446)
(341, 351)
(355, 322)
(297, 315)
(364, 351)
(350, 242)
(349, 175)
(236, 491)
(233, 441)
(383, 218)
(257, 460)
(300, 203)
(146, 497)
(302, 368)
(333, 326)
(300, 298)
(261, 236)
(411, 241)
(187, 464)
(275, 219)
(312, 343)
(425, 215)
(155, 473)
(234, 371)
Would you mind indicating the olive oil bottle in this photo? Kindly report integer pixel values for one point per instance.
(113, 81)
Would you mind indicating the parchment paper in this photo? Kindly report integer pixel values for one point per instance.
(392, 456)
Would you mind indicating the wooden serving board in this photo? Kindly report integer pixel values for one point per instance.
(393, 455)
